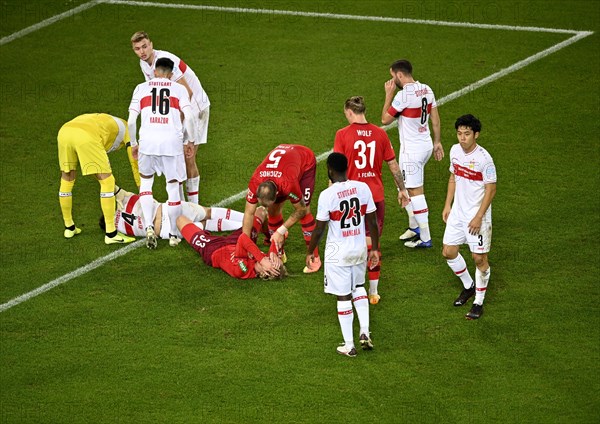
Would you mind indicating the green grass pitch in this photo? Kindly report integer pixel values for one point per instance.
(156, 336)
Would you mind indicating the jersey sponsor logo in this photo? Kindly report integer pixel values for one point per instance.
(270, 174)
(469, 174)
(242, 266)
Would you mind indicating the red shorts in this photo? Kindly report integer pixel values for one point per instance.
(307, 185)
(380, 212)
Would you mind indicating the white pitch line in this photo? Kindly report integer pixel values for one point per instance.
(49, 21)
(459, 93)
(340, 16)
(74, 274)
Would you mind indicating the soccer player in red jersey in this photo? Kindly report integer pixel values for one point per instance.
(288, 172)
(222, 252)
(367, 146)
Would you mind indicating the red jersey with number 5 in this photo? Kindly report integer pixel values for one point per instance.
(366, 146)
(284, 165)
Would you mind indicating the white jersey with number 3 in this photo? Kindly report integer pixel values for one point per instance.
(472, 171)
(160, 102)
(344, 205)
(412, 106)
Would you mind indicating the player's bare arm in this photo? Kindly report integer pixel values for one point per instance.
(300, 211)
(475, 224)
(317, 235)
(183, 82)
(449, 198)
(371, 220)
(390, 91)
(403, 197)
(438, 149)
(248, 220)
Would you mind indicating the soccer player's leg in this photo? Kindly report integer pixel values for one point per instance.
(192, 183)
(361, 304)
(412, 232)
(174, 168)
(307, 187)
(337, 281)
(67, 159)
(108, 204)
(454, 236)
(480, 246)
(415, 179)
(223, 219)
(374, 273)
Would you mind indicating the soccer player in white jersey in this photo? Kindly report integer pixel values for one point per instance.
(161, 150)
(129, 216)
(468, 219)
(344, 207)
(413, 106)
(184, 75)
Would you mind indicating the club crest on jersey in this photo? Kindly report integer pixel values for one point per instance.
(472, 164)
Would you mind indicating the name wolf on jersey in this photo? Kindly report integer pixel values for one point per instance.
(270, 174)
(364, 133)
(346, 193)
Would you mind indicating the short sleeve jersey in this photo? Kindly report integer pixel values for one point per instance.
(160, 102)
(112, 131)
(344, 205)
(472, 171)
(180, 70)
(366, 146)
(285, 166)
(412, 106)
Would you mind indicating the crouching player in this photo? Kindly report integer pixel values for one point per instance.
(468, 219)
(244, 261)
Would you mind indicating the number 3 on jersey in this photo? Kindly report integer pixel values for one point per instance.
(361, 150)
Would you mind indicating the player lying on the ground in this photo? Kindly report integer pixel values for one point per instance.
(129, 216)
(237, 254)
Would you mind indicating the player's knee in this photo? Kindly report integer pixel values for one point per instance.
(182, 221)
(449, 252)
(479, 259)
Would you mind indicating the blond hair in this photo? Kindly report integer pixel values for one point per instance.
(139, 36)
(356, 104)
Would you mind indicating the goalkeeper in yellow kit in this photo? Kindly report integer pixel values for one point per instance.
(87, 139)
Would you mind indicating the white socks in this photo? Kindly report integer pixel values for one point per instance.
(412, 222)
(223, 219)
(346, 318)
(192, 186)
(361, 304)
(459, 266)
(173, 205)
(481, 282)
(421, 212)
(147, 201)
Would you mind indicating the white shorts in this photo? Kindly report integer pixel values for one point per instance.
(201, 122)
(173, 167)
(457, 233)
(342, 280)
(191, 211)
(413, 167)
